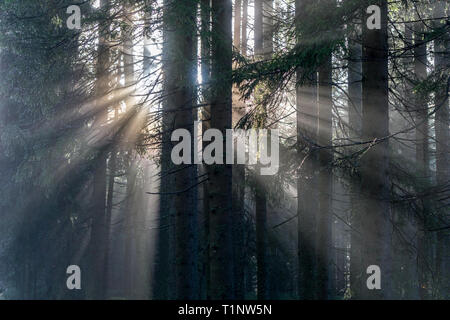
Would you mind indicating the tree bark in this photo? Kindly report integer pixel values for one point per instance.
(263, 46)
(442, 125)
(306, 102)
(238, 179)
(109, 204)
(355, 116)
(325, 181)
(237, 24)
(244, 27)
(375, 162)
(180, 99)
(220, 175)
(98, 220)
(258, 28)
(422, 153)
(205, 11)
(260, 192)
(131, 203)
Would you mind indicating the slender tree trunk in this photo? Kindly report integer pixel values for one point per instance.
(205, 12)
(130, 225)
(98, 228)
(237, 24)
(261, 239)
(268, 28)
(264, 46)
(354, 115)
(260, 192)
(375, 162)
(325, 180)
(244, 27)
(354, 88)
(163, 278)
(164, 271)
(258, 27)
(238, 231)
(147, 60)
(442, 125)
(242, 288)
(238, 179)
(307, 207)
(405, 243)
(422, 153)
(180, 100)
(220, 175)
(109, 204)
(131, 205)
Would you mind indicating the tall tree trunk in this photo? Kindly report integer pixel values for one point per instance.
(244, 27)
(268, 28)
(239, 263)
(261, 238)
(109, 204)
(180, 100)
(422, 153)
(241, 169)
(354, 116)
(354, 88)
(407, 259)
(375, 210)
(164, 271)
(260, 193)
(264, 46)
(205, 12)
(131, 205)
(237, 24)
(238, 179)
(220, 175)
(325, 182)
(306, 103)
(258, 28)
(442, 125)
(98, 227)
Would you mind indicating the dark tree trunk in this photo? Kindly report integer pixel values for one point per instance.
(261, 238)
(264, 46)
(238, 179)
(260, 192)
(220, 175)
(375, 210)
(325, 182)
(422, 154)
(97, 246)
(164, 271)
(354, 115)
(442, 125)
(180, 100)
(109, 204)
(307, 205)
(205, 12)
(131, 203)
